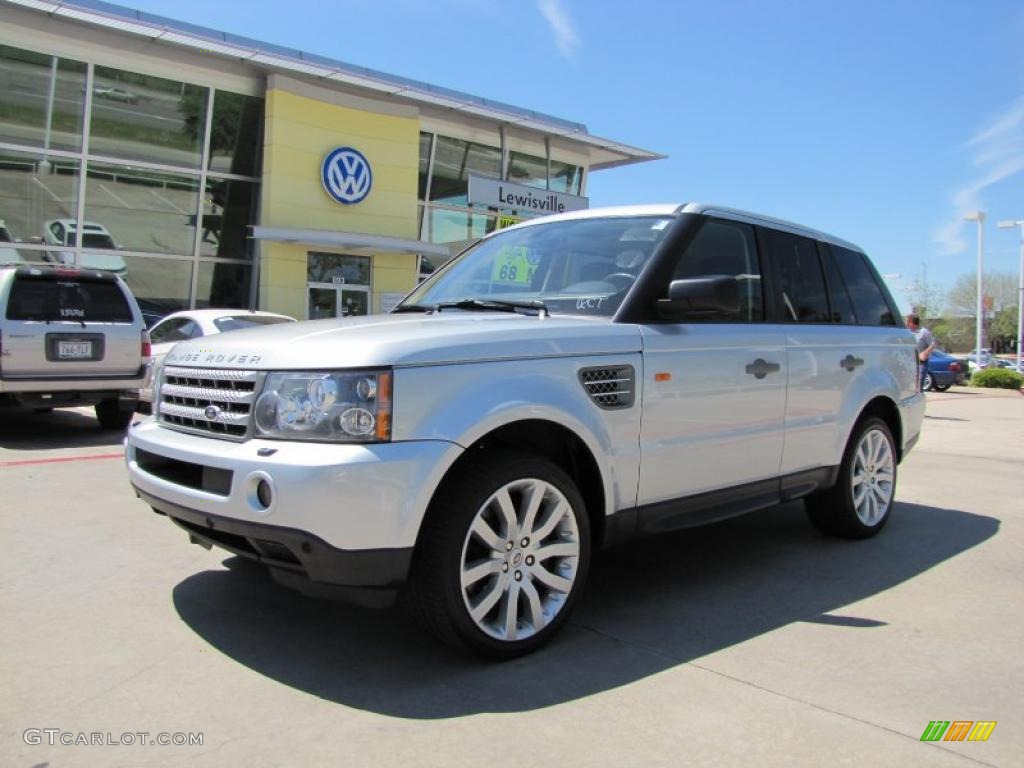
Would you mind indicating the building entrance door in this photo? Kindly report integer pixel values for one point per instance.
(327, 300)
(338, 285)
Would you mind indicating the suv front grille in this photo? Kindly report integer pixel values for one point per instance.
(217, 403)
(610, 386)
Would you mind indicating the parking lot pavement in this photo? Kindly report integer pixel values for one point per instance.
(755, 641)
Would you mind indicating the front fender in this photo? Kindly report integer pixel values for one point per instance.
(464, 403)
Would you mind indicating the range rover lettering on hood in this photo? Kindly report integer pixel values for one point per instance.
(217, 358)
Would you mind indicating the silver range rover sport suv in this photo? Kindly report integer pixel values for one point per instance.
(562, 385)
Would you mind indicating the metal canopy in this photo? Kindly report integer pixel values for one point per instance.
(349, 240)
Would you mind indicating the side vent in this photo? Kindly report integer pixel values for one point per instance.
(610, 386)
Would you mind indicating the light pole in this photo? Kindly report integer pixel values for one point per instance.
(979, 216)
(1020, 285)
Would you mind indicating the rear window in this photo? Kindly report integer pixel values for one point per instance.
(869, 299)
(55, 297)
(238, 322)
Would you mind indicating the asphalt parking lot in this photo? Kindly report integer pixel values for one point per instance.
(755, 641)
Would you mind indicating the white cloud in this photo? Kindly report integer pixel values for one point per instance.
(557, 17)
(998, 153)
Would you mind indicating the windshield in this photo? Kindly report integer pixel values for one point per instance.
(575, 267)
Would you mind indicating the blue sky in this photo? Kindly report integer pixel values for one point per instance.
(881, 122)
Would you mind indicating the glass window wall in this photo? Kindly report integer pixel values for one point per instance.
(35, 193)
(229, 207)
(143, 210)
(454, 161)
(236, 137)
(149, 205)
(141, 117)
(41, 99)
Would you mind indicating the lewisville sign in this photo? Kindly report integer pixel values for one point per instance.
(518, 197)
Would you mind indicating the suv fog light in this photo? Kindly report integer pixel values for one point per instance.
(264, 494)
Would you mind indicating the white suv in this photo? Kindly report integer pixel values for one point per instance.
(563, 385)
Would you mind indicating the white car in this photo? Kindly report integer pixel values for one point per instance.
(565, 384)
(195, 323)
(62, 232)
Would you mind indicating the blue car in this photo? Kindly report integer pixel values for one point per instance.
(944, 371)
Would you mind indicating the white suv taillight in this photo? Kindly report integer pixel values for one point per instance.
(147, 348)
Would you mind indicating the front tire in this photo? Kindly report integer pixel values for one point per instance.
(928, 385)
(503, 556)
(858, 505)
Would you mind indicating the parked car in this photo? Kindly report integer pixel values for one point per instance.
(943, 371)
(116, 94)
(62, 232)
(564, 384)
(71, 337)
(196, 323)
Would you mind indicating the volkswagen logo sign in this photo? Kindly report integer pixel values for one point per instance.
(211, 412)
(346, 175)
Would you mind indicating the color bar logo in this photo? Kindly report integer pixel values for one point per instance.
(958, 730)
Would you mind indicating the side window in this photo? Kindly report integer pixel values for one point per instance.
(190, 330)
(838, 297)
(804, 299)
(869, 300)
(170, 330)
(726, 248)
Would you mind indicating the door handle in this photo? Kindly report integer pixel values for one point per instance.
(761, 368)
(850, 362)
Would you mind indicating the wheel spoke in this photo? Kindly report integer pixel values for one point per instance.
(554, 518)
(508, 512)
(558, 549)
(533, 501)
(551, 580)
(480, 570)
(537, 617)
(510, 612)
(484, 606)
(884, 476)
(858, 496)
(483, 531)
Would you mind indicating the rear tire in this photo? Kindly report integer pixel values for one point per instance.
(502, 557)
(859, 504)
(928, 385)
(112, 416)
(942, 388)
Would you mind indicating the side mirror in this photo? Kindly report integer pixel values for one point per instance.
(714, 294)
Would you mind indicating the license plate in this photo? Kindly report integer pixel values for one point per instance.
(74, 350)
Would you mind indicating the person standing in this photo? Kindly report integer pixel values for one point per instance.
(925, 344)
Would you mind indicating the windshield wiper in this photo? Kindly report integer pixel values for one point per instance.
(413, 308)
(495, 305)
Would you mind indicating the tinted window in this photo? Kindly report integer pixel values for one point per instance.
(726, 248)
(176, 329)
(225, 324)
(804, 298)
(838, 297)
(869, 301)
(67, 298)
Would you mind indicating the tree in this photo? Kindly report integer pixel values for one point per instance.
(1002, 330)
(926, 298)
(962, 298)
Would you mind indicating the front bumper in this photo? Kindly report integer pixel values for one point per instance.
(296, 558)
(349, 500)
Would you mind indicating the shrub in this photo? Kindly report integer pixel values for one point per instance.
(999, 378)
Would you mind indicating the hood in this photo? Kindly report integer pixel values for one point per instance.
(452, 336)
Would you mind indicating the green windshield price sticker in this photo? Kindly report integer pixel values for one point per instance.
(512, 266)
(507, 221)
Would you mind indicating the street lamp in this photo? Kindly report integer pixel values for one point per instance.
(1020, 285)
(978, 216)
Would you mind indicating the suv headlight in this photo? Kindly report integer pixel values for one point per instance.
(346, 407)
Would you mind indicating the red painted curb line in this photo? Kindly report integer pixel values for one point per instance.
(61, 459)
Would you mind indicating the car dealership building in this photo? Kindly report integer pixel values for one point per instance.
(214, 170)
